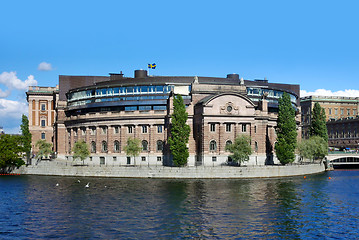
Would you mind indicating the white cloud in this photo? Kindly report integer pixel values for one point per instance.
(10, 80)
(324, 92)
(10, 115)
(44, 66)
(4, 94)
(10, 109)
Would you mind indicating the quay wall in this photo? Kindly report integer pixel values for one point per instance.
(60, 169)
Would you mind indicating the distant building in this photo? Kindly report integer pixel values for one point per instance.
(105, 111)
(343, 133)
(2, 130)
(42, 114)
(342, 119)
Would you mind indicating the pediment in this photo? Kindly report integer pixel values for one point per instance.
(228, 104)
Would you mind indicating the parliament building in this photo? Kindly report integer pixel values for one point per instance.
(105, 111)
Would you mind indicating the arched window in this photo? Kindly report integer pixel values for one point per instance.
(104, 146)
(144, 145)
(212, 145)
(228, 143)
(159, 145)
(93, 147)
(116, 146)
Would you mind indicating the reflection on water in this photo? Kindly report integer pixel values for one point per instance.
(34, 207)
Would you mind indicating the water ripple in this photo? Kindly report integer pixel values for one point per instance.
(290, 208)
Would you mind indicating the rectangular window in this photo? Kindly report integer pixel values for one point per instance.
(143, 159)
(214, 159)
(348, 111)
(43, 123)
(114, 159)
(93, 131)
(130, 129)
(244, 127)
(336, 111)
(117, 130)
(228, 127)
(159, 108)
(159, 159)
(341, 111)
(330, 111)
(102, 160)
(90, 159)
(75, 132)
(212, 127)
(104, 130)
(128, 160)
(43, 107)
(144, 129)
(144, 108)
(83, 131)
(131, 108)
(354, 112)
(43, 136)
(159, 129)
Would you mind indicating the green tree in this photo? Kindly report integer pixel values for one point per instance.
(26, 137)
(286, 131)
(10, 152)
(133, 147)
(81, 151)
(313, 148)
(318, 126)
(240, 149)
(179, 132)
(45, 149)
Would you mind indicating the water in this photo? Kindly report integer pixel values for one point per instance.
(316, 207)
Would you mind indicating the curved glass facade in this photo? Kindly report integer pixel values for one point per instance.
(151, 97)
(131, 98)
(118, 91)
(254, 93)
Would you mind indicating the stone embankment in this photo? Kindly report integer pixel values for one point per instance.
(66, 169)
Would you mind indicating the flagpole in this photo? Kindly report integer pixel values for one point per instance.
(148, 70)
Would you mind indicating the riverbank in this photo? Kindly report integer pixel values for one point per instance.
(61, 169)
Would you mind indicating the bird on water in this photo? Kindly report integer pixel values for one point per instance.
(87, 185)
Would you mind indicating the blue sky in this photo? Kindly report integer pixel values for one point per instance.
(311, 43)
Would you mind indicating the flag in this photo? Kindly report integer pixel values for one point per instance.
(153, 66)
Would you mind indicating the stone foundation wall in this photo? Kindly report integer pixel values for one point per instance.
(66, 169)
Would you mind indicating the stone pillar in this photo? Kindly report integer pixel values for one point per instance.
(49, 119)
(72, 140)
(219, 140)
(61, 139)
(37, 113)
(135, 131)
(191, 140)
(110, 139)
(152, 141)
(123, 140)
(97, 140)
(30, 113)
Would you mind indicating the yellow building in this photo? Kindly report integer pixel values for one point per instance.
(335, 108)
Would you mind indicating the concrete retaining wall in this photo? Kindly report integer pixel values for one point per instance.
(61, 169)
